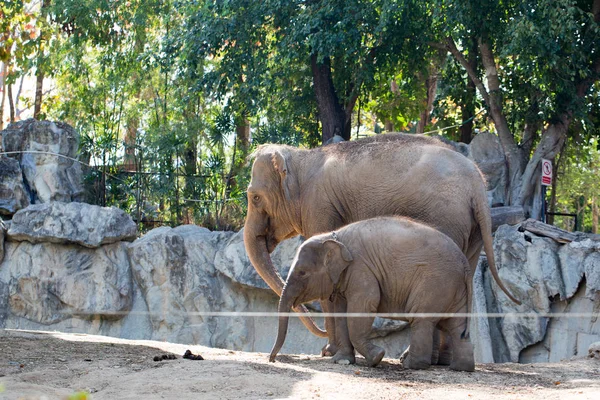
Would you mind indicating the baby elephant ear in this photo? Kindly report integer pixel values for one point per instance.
(337, 259)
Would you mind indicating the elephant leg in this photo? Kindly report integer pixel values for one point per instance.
(462, 358)
(435, 351)
(360, 328)
(435, 348)
(444, 348)
(421, 344)
(345, 353)
(330, 349)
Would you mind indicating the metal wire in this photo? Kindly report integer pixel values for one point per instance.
(255, 314)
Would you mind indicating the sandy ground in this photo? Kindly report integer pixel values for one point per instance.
(52, 365)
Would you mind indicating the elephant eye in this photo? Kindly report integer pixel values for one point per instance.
(302, 273)
(256, 198)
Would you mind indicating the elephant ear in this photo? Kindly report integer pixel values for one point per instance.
(337, 259)
(281, 167)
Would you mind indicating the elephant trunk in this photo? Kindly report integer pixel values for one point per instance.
(285, 305)
(256, 247)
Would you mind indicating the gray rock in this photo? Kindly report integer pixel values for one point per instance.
(486, 151)
(84, 224)
(13, 195)
(479, 327)
(233, 262)
(2, 235)
(594, 350)
(546, 277)
(48, 283)
(48, 177)
(182, 283)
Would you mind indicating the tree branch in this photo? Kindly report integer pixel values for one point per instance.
(451, 47)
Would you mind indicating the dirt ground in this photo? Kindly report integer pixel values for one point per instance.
(52, 365)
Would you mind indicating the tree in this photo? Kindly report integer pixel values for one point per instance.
(335, 46)
(540, 61)
(17, 42)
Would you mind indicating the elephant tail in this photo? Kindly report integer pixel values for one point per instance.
(469, 283)
(484, 219)
(310, 323)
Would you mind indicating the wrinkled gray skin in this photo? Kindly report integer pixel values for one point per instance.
(385, 265)
(306, 192)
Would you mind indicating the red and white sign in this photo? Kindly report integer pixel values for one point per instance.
(546, 172)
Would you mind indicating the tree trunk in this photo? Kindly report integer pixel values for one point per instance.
(468, 105)
(3, 73)
(556, 164)
(331, 113)
(553, 139)
(594, 215)
(389, 126)
(37, 107)
(431, 87)
(11, 105)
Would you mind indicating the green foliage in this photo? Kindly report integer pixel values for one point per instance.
(161, 90)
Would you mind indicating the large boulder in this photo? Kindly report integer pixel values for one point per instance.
(84, 224)
(13, 195)
(48, 177)
(544, 275)
(233, 262)
(47, 283)
(2, 235)
(486, 151)
(183, 282)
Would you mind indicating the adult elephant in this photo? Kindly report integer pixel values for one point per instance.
(305, 192)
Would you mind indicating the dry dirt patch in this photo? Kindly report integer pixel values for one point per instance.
(52, 365)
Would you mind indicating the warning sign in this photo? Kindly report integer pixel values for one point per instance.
(546, 172)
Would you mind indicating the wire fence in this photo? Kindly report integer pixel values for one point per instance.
(257, 314)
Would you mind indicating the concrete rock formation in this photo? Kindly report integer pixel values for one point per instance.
(549, 278)
(46, 177)
(80, 223)
(2, 234)
(486, 151)
(13, 195)
(48, 283)
(594, 350)
(172, 283)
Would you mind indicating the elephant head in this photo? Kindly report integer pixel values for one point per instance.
(273, 197)
(315, 273)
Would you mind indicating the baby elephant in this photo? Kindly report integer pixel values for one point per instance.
(384, 265)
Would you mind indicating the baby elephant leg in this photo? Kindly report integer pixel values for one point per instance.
(444, 349)
(421, 345)
(435, 354)
(462, 348)
(360, 328)
(345, 353)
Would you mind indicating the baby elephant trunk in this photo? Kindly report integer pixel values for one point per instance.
(285, 306)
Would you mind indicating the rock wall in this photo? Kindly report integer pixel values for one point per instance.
(549, 278)
(166, 284)
(35, 176)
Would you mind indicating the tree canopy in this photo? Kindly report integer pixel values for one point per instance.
(172, 95)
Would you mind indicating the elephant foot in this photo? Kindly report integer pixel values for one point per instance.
(463, 365)
(414, 363)
(344, 357)
(329, 350)
(375, 358)
(464, 359)
(445, 356)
